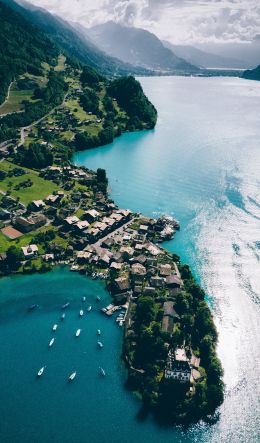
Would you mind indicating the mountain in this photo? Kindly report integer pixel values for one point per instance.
(138, 47)
(204, 59)
(71, 42)
(252, 74)
(247, 52)
(23, 48)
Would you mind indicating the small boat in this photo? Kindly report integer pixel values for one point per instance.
(51, 342)
(121, 323)
(32, 307)
(98, 332)
(40, 372)
(100, 344)
(89, 308)
(55, 327)
(102, 371)
(72, 376)
(63, 317)
(81, 313)
(83, 299)
(98, 298)
(65, 306)
(78, 332)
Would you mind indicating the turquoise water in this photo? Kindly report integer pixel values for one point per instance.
(202, 164)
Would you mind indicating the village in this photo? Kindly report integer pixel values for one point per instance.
(105, 242)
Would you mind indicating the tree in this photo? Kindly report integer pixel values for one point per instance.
(14, 257)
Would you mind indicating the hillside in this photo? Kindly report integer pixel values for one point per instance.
(71, 42)
(203, 59)
(252, 74)
(138, 47)
(23, 48)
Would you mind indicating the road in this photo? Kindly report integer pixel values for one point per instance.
(113, 233)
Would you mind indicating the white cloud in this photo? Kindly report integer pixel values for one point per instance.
(182, 21)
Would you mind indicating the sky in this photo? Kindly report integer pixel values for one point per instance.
(179, 21)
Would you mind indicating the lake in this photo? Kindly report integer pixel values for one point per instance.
(201, 164)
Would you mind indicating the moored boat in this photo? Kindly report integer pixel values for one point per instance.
(98, 332)
(102, 371)
(51, 342)
(78, 332)
(89, 308)
(40, 372)
(72, 376)
(81, 313)
(65, 306)
(98, 298)
(100, 344)
(32, 307)
(63, 316)
(83, 299)
(55, 327)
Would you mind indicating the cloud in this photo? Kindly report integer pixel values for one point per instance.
(182, 21)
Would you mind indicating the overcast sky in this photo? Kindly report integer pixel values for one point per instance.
(179, 21)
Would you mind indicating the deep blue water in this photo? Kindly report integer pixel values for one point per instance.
(202, 164)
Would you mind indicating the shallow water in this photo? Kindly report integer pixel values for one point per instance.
(202, 164)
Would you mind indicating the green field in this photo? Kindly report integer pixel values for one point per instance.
(39, 190)
(80, 113)
(14, 102)
(61, 63)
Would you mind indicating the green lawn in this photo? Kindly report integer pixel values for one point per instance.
(39, 190)
(80, 113)
(14, 102)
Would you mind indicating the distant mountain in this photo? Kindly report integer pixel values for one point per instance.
(248, 52)
(204, 59)
(252, 74)
(138, 47)
(71, 42)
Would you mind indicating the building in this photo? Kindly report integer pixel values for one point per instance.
(91, 216)
(38, 204)
(178, 367)
(27, 224)
(30, 251)
(173, 281)
(138, 273)
(169, 315)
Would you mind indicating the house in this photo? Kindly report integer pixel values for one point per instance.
(153, 250)
(127, 252)
(138, 272)
(83, 256)
(72, 220)
(30, 251)
(81, 225)
(116, 266)
(177, 367)
(91, 215)
(157, 282)
(121, 284)
(143, 229)
(169, 315)
(38, 204)
(52, 199)
(4, 214)
(108, 243)
(27, 224)
(165, 270)
(48, 257)
(2, 257)
(149, 290)
(173, 281)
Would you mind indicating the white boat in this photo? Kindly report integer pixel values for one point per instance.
(78, 332)
(63, 316)
(89, 308)
(81, 313)
(72, 376)
(51, 342)
(100, 344)
(83, 299)
(40, 372)
(55, 327)
(98, 332)
(98, 298)
(121, 323)
(102, 371)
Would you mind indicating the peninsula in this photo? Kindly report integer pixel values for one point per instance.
(52, 212)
